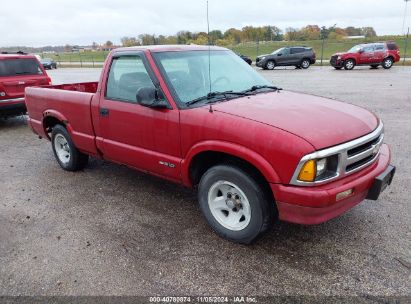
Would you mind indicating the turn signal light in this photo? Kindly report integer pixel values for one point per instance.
(308, 171)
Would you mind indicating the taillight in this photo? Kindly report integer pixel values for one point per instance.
(49, 80)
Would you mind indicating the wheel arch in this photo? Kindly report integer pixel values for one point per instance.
(206, 154)
(52, 118)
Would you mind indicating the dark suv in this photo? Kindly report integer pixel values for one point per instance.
(18, 71)
(298, 56)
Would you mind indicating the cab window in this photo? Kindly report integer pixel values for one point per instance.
(127, 75)
(368, 49)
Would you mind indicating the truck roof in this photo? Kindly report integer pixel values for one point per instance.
(15, 55)
(171, 48)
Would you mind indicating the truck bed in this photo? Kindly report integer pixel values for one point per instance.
(70, 103)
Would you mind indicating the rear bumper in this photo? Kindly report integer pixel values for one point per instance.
(315, 205)
(11, 107)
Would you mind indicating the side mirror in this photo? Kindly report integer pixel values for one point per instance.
(152, 98)
(361, 51)
(279, 54)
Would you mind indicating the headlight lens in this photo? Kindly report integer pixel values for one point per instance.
(262, 58)
(339, 58)
(318, 169)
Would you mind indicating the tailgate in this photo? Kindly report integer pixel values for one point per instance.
(14, 88)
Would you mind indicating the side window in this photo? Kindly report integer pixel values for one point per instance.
(127, 75)
(286, 51)
(379, 47)
(297, 50)
(368, 49)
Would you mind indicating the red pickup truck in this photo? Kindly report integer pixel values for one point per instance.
(204, 118)
(18, 71)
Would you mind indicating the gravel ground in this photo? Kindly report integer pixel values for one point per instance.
(110, 230)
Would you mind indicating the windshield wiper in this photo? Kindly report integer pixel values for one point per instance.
(258, 87)
(213, 95)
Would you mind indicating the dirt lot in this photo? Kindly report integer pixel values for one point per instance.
(113, 231)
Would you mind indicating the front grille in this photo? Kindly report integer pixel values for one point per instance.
(333, 60)
(352, 156)
(363, 154)
(257, 59)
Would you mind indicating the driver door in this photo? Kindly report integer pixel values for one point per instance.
(132, 134)
(283, 57)
(366, 57)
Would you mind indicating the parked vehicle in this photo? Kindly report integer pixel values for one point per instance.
(48, 63)
(255, 152)
(298, 56)
(372, 54)
(18, 71)
(245, 58)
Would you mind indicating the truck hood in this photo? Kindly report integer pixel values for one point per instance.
(320, 121)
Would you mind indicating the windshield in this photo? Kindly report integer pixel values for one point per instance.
(188, 73)
(278, 51)
(355, 49)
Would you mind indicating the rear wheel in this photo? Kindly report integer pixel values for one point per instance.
(67, 155)
(387, 63)
(305, 63)
(349, 64)
(234, 204)
(270, 65)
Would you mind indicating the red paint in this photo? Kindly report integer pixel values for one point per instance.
(272, 131)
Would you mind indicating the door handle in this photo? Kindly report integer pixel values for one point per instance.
(104, 112)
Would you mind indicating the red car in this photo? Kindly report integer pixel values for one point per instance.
(254, 152)
(372, 54)
(18, 71)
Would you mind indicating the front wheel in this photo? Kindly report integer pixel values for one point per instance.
(305, 63)
(234, 204)
(387, 63)
(349, 64)
(67, 155)
(270, 65)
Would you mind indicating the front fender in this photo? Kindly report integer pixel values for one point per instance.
(232, 149)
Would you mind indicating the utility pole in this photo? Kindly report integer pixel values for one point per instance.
(406, 45)
(405, 17)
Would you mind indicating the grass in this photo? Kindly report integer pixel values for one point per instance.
(253, 49)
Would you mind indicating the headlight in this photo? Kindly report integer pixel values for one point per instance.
(262, 58)
(318, 169)
(339, 58)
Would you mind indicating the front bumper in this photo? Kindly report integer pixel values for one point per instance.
(337, 63)
(315, 205)
(10, 107)
(260, 63)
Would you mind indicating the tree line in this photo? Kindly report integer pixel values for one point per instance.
(250, 34)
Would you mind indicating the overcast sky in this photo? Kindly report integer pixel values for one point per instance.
(56, 22)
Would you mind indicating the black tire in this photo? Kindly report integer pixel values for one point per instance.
(387, 63)
(305, 63)
(374, 66)
(77, 160)
(338, 68)
(262, 208)
(270, 65)
(349, 64)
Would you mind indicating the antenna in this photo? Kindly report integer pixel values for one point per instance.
(209, 48)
